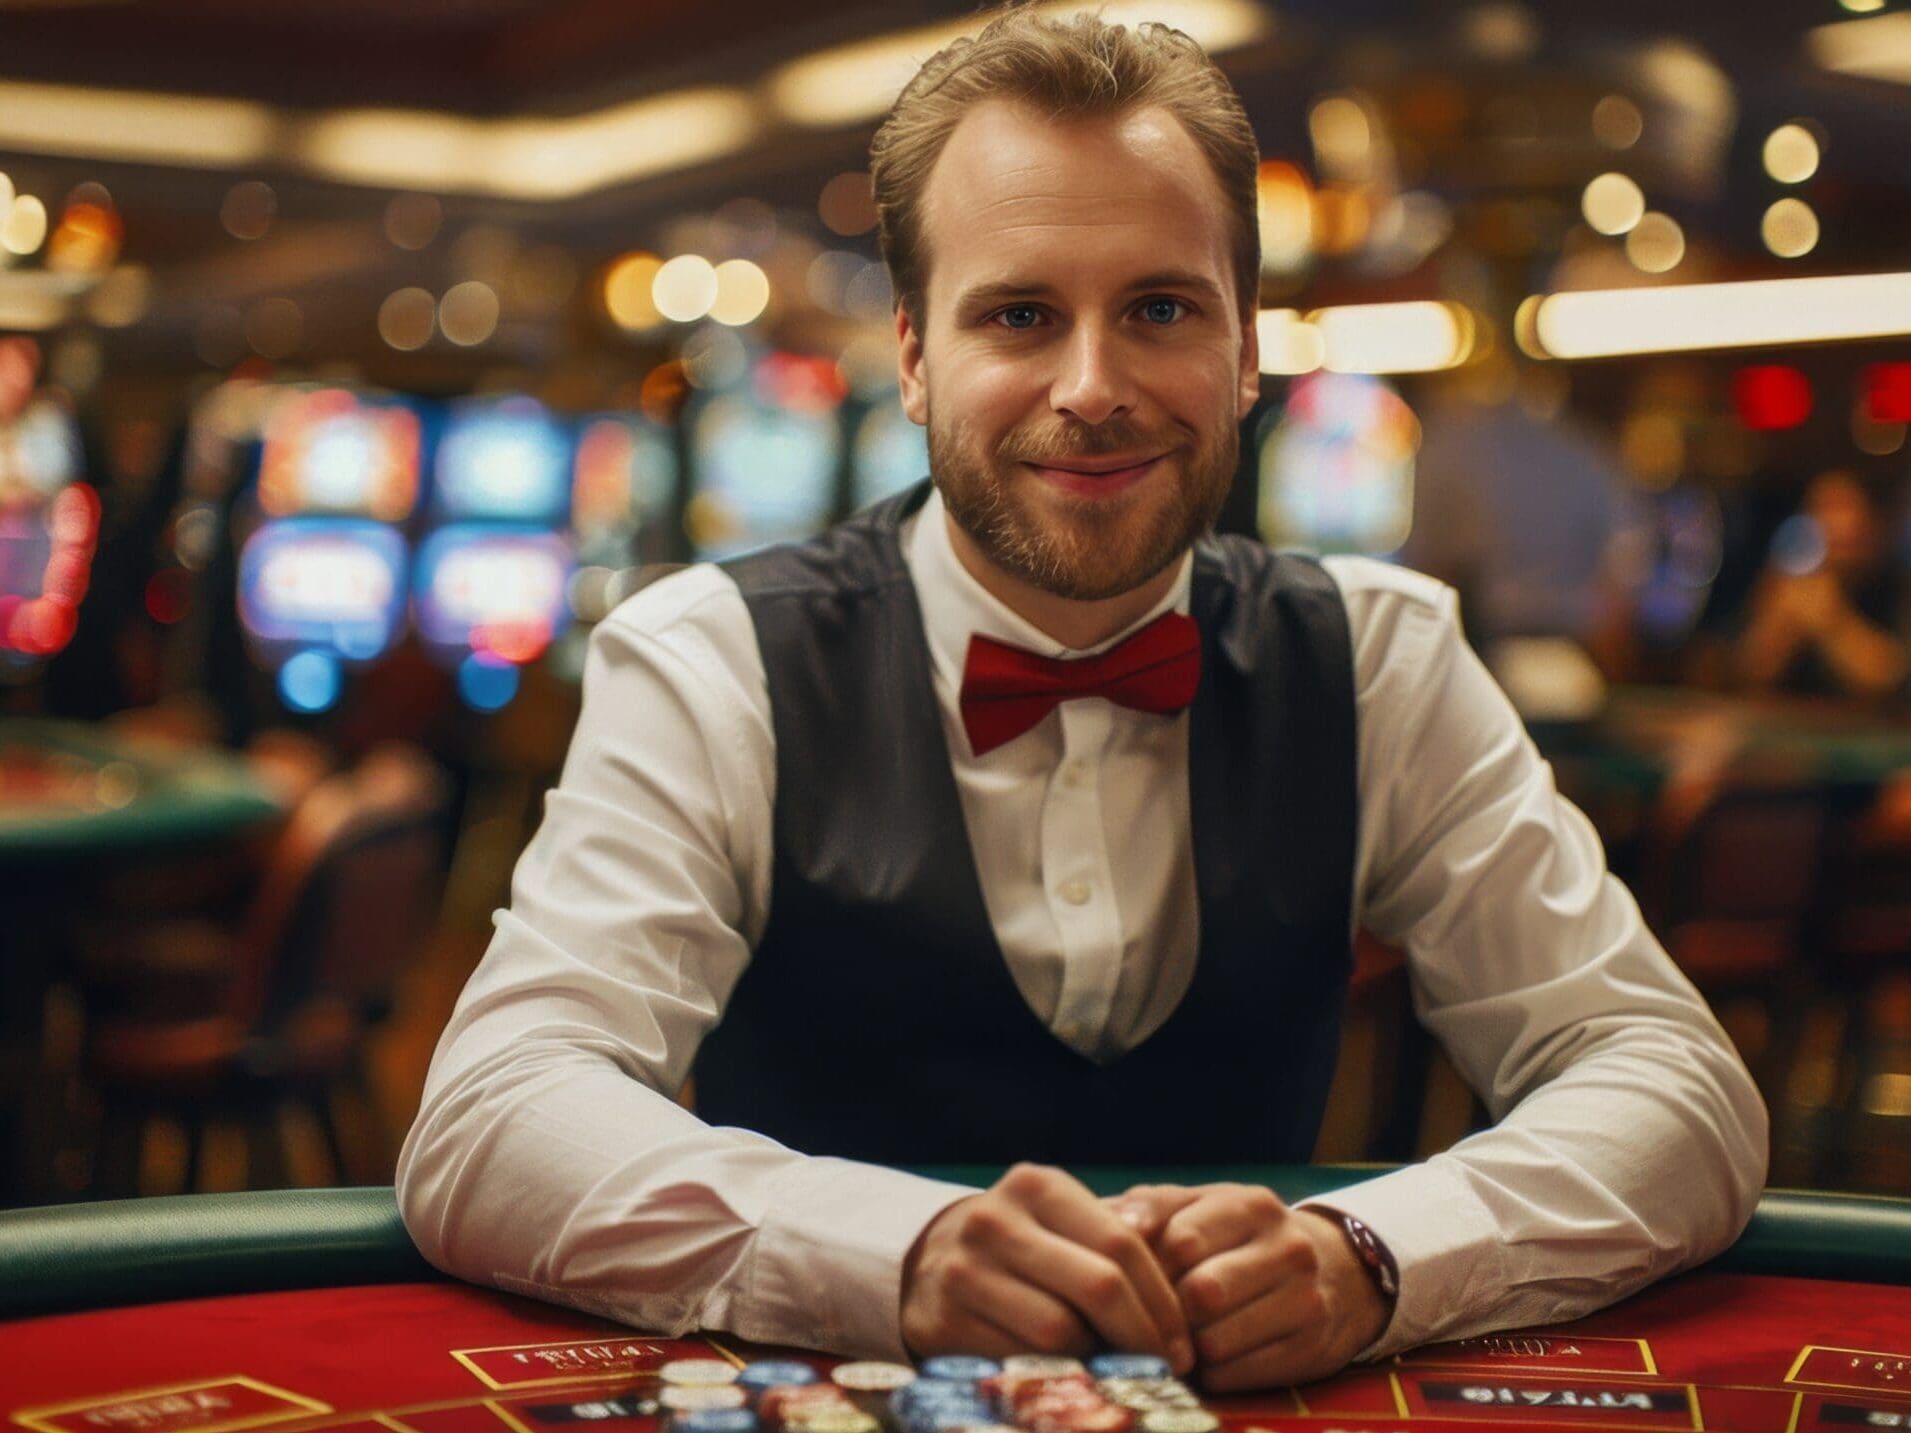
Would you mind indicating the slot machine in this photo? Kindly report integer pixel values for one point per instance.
(765, 457)
(1336, 465)
(624, 500)
(321, 581)
(49, 530)
(491, 584)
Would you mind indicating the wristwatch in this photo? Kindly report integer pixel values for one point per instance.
(1374, 1256)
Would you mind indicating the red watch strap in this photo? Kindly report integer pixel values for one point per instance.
(1374, 1256)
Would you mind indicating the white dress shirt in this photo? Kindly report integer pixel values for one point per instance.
(550, 1157)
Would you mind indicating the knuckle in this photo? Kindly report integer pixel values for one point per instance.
(986, 1224)
(1203, 1294)
(1027, 1179)
(1103, 1285)
(1054, 1331)
(962, 1278)
(1183, 1246)
(1302, 1258)
(1262, 1202)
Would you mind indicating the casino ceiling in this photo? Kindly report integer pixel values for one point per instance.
(318, 156)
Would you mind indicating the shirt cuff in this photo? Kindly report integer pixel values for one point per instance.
(827, 1267)
(1443, 1239)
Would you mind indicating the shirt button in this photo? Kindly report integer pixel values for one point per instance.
(1076, 893)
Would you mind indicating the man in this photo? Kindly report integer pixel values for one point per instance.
(997, 824)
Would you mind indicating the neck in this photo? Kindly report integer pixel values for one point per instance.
(1075, 623)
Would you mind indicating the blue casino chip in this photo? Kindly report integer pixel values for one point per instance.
(962, 1367)
(1129, 1365)
(775, 1373)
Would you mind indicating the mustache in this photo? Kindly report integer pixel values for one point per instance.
(1079, 440)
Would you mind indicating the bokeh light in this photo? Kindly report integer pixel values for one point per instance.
(469, 313)
(847, 205)
(1789, 228)
(311, 682)
(714, 358)
(1791, 154)
(413, 220)
(627, 292)
(684, 288)
(1617, 123)
(24, 228)
(486, 683)
(1656, 244)
(743, 292)
(1612, 204)
(248, 209)
(121, 298)
(406, 319)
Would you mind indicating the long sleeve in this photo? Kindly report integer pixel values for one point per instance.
(549, 1156)
(1630, 1140)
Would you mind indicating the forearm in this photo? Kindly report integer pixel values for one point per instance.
(1644, 1157)
(549, 1171)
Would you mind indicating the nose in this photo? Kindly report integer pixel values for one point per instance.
(1092, 383)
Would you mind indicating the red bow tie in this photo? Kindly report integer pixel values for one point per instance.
(1006, 691)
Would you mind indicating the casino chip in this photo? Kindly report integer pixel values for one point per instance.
(698, 1372)
(701, 1397)
(1179, 1420)
(1041, 1365)
(873, 1377)
(775, 1373)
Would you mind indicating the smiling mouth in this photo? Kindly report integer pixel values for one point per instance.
(1100, 478)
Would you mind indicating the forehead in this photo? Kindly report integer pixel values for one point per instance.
(1015, 191)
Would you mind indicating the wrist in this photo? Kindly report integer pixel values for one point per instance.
(1370, 1277)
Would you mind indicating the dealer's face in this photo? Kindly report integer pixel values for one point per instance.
(1084, 366)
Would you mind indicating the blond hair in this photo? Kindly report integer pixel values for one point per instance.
(1075, 68)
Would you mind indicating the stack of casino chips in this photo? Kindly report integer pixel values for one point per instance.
(1029, 1393)
(704, 1395)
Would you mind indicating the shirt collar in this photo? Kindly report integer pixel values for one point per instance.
(956, 607)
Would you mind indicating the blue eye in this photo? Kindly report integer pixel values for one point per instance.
(1163, 311)
(1008, 315)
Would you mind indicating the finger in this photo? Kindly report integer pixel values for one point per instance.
(1291, 1307)
(1078, 1217)
(1147, 1207)
(1300, 1357)
(1095, 1286)
(1224, 1218)
(1031, 1316)
(1215, 1288)
(965, 1331)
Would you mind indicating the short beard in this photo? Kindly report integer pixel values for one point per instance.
(1101, 548)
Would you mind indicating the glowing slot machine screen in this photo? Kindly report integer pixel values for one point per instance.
(335, 584)
(507, 461)
(765, 459)
(624, 483)
(1336, 466)
(493, 590)
(332, 452)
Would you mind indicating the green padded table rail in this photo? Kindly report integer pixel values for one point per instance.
(82, 1256)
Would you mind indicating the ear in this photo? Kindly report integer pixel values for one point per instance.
(1250, 375)
(909, 368)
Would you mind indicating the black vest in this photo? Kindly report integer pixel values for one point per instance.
(877, 1019)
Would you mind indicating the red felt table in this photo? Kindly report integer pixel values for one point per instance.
(1711, 1351)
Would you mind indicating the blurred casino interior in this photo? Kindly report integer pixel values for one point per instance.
(356, 358)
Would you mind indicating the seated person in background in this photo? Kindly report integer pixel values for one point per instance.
(1020, 819)
(1830, 622)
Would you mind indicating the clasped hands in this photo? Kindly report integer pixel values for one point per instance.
(1223, 1278)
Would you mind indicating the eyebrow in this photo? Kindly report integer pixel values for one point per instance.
(1003, 290)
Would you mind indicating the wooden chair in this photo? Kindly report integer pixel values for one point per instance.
(349, 895)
